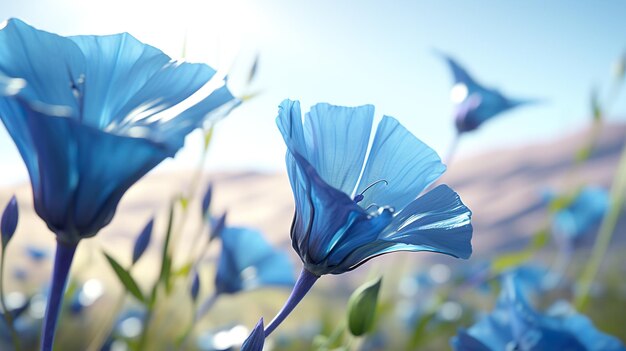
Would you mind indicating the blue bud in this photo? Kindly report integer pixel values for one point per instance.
(217, 226)
(9, 221)
(142, 241)
(255, 341)
(206, 200)
(195, 286)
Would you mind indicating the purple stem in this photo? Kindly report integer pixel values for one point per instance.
(62, 264)
(303, 285)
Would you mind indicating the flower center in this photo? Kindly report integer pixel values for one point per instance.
(359, 197)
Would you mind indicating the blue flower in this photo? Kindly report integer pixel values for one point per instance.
(475, 103)
(256, 339)
(351, 205)
(344, 218)
(581, 214)
(90, 115)
(516, 325)
(247, 262)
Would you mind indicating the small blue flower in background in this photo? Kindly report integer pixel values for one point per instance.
(344, 216)
(247, 262)
(90, 115)
(516, 325)
(256, 340)
(8, 222)
(582, 214)
(475, 103)
(142, 241)
(37, 254)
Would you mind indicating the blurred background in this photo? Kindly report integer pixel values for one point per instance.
(568, 55)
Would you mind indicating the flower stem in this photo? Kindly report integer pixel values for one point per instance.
(303, 285)
(62, 264)
(603, 240)
(8, 316)
(205, 307)
(143, 338)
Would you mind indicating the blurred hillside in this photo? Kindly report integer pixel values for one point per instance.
(502, 187)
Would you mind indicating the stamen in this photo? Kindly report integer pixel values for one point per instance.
(359, 197)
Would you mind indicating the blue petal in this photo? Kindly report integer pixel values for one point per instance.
(76, 195)
(120, 163)
(407, 164)
(338, 137)
(156, 85)
(437, 221)
(247, 261)
(48, 64)
(142, 241)
(114, 61)
(327, 225)
(256, 339)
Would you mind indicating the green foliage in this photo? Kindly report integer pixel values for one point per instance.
(512, 259)
(125, 278)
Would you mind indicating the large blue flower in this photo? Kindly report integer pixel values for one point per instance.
(345, 217)
(475, 103)
(516, 325)
(91, 115)
(353, 205)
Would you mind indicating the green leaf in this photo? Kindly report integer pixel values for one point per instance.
(419, 333)
(125, 278)
(362, 307)
(166, 259)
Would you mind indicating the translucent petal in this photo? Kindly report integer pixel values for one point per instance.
(48, 64)
(339, 137)
(403, 161)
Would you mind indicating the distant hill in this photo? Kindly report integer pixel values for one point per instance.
(502, 187)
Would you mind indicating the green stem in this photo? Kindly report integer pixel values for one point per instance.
(603, 240)
(8, 316)
(144, 332)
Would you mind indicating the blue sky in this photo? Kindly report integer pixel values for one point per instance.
(352, 52)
